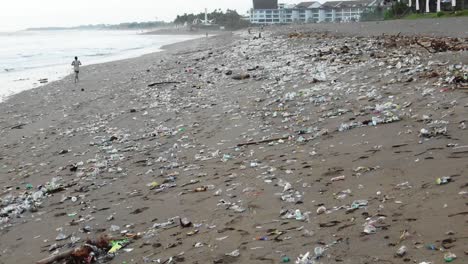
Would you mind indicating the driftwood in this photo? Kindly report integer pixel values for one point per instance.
(241, 77)
(19, 126)
(458, 154)
(426, 48)
(261, 141)
(78, 254)
(439, 45)
(161, 83)
(329, 224)
(461, 213)
(57, 257)
(430, 44)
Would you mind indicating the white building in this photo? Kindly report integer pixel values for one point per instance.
(310, 12)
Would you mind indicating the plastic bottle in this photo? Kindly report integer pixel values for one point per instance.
(319, 252)
(449, 257)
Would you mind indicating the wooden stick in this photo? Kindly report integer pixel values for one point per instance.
(460, 152)
(430, 51)
(261, 141)
(19, 126)
(52, 259)
(461, 213)
(159, 83)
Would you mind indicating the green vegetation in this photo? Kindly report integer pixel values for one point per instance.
(376, 14)
(437, 15)
(229, 19)
(398, 10)
(140, 25)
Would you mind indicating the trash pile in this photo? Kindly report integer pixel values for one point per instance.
(430, 44)
(13, 206)
(100, 250)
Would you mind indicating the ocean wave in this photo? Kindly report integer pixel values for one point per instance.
(44, 65)
(29, 55)
(134, 48)
(113, 52)
(98, 54)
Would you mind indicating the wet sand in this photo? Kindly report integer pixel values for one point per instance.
(145, 134)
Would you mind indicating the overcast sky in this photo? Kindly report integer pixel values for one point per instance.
(20, 14)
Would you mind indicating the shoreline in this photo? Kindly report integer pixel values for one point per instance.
(184, 31)
(270, 147)
(57, 73)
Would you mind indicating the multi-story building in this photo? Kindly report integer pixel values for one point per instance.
(265, 12)
(270, 12)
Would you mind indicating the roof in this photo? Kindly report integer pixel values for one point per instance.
(265, 4)
(305, 4)
(273, 4)
(348, 4)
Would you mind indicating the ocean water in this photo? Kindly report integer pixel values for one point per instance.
(28, 56)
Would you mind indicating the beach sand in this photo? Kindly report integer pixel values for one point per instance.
(131, 138)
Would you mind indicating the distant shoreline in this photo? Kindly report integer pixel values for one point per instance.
(184, 31)
(121, 26)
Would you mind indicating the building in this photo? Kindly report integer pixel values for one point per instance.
(265, 4)
(346, 11)
(265, 12)
(307, 12)
(270, 12)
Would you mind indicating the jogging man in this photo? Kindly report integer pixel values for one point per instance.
(76, 66)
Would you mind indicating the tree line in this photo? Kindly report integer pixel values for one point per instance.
(229, 19)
